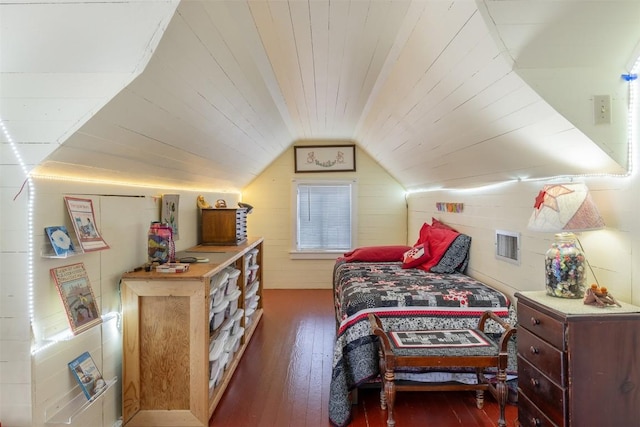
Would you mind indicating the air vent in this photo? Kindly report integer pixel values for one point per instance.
(508, 246)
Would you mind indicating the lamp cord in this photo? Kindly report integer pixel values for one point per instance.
(587, 261)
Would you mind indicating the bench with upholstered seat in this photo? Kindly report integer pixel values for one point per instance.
(460, 348)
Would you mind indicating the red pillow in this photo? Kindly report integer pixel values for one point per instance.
(416, 256)
(438, 241)
(377, 253)
(423, 235)
(437, 224)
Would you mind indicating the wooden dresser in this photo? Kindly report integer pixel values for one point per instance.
(578, 365)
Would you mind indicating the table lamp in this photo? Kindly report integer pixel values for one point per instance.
(564, 209)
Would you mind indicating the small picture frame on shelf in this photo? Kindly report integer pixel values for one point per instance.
(60, 240)
(72, 283)
(87, 375)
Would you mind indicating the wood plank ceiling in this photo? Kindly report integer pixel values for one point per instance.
(436, 91)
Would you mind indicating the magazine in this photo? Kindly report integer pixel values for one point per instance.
(77, 296)
(60, 240)
(84, 224)
(87, 375)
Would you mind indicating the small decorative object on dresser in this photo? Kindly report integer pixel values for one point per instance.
(578, 365)
(599, 296)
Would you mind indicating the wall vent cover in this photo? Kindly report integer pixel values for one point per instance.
(508, 246)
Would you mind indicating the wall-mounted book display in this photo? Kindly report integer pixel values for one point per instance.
(84, 224)
(77, 296)
(87, 375)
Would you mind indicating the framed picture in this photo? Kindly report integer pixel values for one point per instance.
(169, 214)
(325, 158)
(72, 283)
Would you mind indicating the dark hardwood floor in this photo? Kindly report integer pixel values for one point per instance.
(284, 375)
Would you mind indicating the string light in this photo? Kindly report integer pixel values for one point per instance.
(30, 207)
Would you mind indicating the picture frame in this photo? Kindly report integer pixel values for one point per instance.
(74, 288)
(169, 212)
(325, 158)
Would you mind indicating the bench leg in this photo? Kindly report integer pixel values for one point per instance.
(479, 399)
(383, 369)
(502, 392)
(390, 395)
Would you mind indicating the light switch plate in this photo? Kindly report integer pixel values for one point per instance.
(601, 109)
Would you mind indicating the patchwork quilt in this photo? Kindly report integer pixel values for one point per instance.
(404, 299)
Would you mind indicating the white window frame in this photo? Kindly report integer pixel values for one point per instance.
(295, 253)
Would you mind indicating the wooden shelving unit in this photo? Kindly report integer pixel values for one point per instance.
(166, 339)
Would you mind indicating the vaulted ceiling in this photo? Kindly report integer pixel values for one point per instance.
(208, 93)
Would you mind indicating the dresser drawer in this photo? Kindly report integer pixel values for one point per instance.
(530, 416)
(546, 358)
(546, 327)
(548, 396)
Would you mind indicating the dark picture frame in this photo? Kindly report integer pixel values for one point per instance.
(325, 158)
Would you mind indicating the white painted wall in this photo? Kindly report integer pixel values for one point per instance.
(612, 252)
(381, 217)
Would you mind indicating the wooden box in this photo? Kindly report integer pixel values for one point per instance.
(223, 226)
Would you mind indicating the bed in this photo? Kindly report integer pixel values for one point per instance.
(406, 289)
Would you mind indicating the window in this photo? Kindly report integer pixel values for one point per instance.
(324, 217)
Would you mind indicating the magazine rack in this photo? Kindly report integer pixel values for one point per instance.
(65, 409)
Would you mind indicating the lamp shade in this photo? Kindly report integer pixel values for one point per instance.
(564, 207)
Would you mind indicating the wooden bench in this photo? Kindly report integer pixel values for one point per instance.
(469, 348)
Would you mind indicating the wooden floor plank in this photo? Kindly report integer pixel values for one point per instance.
(284, 376)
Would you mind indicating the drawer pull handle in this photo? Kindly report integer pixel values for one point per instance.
(536, 421)
(533, 350)
(534, 321)
(535, 382)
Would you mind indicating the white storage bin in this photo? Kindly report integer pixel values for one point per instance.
(234, 342)
(224, 362)
(248, 316)
(232, 284)
(232, 299)
(252, 273)
(252, 301)
(218, 314)
(219, 279)
(252, 290)
(216, 296)
(214, 357)
(237, 320)
(254, 256)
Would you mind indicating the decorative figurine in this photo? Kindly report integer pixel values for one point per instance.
(599, 296)
(202, 203)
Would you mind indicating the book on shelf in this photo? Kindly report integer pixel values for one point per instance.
(60, 240)
(72, 283)
(87, 375)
